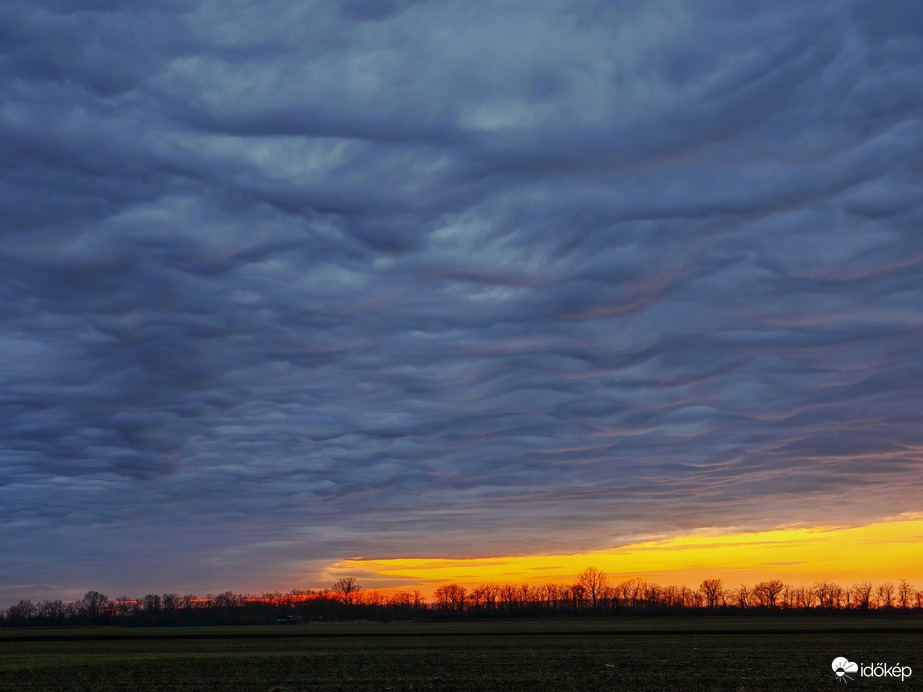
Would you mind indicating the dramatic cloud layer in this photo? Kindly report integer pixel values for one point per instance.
(285, 282)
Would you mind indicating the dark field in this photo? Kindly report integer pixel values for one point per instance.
(633, 654)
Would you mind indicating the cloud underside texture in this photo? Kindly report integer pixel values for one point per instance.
(294, 281)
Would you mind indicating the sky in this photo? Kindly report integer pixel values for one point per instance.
(291, 290)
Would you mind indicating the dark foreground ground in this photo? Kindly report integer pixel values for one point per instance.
(632, 654)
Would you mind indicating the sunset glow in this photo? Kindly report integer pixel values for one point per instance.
(885, 550)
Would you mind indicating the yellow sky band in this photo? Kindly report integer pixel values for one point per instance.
(882, 551)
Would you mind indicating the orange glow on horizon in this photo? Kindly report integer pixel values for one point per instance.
(883, 551)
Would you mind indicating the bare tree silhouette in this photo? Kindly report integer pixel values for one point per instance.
(863, 594)
(712, 590)
(885, 594)
(20, 613)
(346, 588)
(593, 582)
(93, 605)
(451, 596)
(767, 592)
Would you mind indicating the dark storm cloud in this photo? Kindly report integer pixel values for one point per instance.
(289, 281)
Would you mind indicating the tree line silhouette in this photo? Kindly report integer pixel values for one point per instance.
(592, 593)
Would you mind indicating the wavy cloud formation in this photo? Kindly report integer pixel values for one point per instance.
(287, 282)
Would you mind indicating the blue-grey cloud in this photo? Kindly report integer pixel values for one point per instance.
(287, 282)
